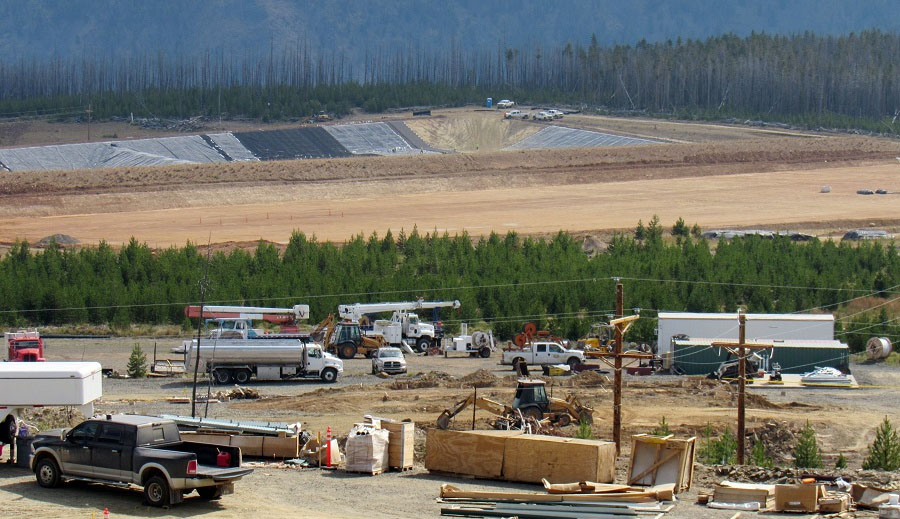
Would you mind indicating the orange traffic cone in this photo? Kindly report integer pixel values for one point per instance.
(328, 447)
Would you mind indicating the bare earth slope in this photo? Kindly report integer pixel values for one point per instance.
(727, 176)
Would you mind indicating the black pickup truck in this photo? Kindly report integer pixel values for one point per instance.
(146, 451)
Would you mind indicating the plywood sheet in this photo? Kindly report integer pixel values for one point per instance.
(530, 458)
(658, 460)
(473, 453)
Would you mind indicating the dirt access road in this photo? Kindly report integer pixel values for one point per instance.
(713, 175)
(688, 404)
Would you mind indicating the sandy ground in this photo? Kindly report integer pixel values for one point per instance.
(784, 199)
(687, 404)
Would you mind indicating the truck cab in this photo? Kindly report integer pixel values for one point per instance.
(25, 346)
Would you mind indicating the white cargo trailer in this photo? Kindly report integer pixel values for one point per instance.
(725, 326)
(25, 385)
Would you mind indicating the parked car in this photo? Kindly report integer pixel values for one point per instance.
(556, 114)
(144, 451)
(505, 103)
(542, 116)
(388, 360)
(515, 114)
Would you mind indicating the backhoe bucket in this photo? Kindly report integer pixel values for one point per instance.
(443, 421)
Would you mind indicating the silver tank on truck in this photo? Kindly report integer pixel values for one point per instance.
(247, 351)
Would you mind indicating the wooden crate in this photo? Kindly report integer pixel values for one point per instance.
(471, 453)
(401, 446)
(531, 458)
(656, 460)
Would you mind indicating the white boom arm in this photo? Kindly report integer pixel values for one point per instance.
(256, 312)
(355, 311)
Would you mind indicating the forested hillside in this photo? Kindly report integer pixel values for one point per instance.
(846, 82)
(355, 28)
(502, 280)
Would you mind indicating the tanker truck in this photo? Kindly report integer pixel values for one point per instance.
(237, 360)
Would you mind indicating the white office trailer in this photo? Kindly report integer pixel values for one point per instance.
(725, 326)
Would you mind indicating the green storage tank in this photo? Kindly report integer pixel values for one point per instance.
(700, 357)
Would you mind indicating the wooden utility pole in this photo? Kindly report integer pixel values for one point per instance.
(621, 323)
(742, 347)
(89, 111)
(742, 385)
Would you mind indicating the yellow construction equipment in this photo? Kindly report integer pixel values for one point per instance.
(345, 339)
(531, 402)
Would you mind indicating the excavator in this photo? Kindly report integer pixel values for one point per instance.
(345, 339)
(531, 402)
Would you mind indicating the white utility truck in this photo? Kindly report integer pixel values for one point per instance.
(540, 353)
(479, 344)
(238, 360)
(26, 385)
(404, 326)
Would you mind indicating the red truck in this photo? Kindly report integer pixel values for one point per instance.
(25, 346)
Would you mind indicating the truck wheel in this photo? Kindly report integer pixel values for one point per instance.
(242, 376)
(572, 362)
(329, 375)
(422, 344)
(47, 472)
(347, 351)
(210, 493)
(485, 352)
(156, 491)
(222, 376)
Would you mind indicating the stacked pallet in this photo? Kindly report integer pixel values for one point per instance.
(575, 500)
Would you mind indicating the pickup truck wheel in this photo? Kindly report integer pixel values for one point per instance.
(210, 493)
(47, 472)
(572, 362)
(156, 491)
(422, 344)
(485, 352)
(329, 375)
(242, 376)
(222, 376)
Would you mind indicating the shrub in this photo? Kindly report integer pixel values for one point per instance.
(806, 452)
(584, 431)
(680, 228)
(884, 453)
(719, 451)
(662, 429)
(841, 462)
(758, 456)
(137, 363)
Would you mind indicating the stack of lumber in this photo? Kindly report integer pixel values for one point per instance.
(401, 444)
(586, 500)
(513, 456)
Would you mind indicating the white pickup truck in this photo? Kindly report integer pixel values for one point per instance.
(542, 353)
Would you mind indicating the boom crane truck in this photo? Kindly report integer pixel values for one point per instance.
(287, 318)
(403, 326)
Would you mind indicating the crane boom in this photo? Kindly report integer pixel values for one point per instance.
(357, 310)
(272, 315)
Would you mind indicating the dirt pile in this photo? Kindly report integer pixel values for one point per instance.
(590, 379)
(430, 379)
(480, 378)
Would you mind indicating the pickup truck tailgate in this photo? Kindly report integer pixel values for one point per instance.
(221, 473)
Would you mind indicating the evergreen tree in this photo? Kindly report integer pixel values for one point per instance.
(884, 453)
(806, 452)
(137, 363)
